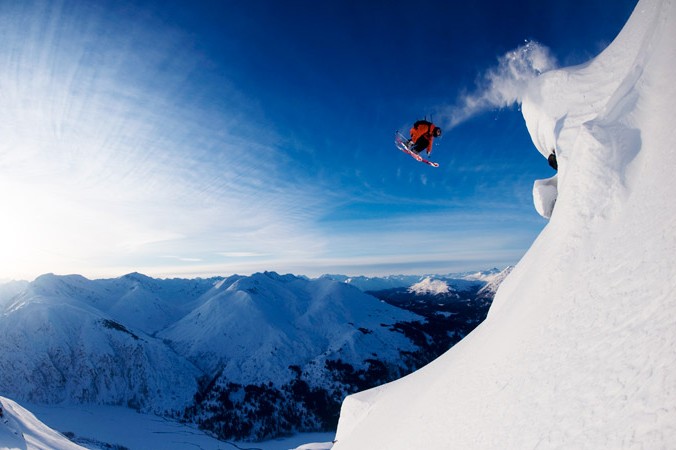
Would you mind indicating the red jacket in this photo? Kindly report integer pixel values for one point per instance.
(426, 131)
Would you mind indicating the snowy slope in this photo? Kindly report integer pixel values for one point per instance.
(579, 349)
(19, 429)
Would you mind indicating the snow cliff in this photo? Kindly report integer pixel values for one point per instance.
(579, 348)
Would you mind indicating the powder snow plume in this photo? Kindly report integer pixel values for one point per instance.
(505, 84)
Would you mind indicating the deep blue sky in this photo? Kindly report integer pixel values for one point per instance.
(210, 137)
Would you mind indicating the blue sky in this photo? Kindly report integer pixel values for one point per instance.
(215, 137)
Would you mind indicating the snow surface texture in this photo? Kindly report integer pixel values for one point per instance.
(19, 429)
(579, 347)
(118, 428)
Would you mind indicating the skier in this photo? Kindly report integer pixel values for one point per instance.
(422, 136)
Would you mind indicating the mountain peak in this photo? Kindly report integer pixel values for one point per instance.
(430, 286)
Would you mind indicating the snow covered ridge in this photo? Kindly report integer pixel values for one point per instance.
(250, 357)
(579, 347)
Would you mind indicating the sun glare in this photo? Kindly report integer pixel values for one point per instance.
(22, 235)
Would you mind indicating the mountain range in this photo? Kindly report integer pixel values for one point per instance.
(245, 357)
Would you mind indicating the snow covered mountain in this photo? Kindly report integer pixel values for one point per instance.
(430, 286)
(245, 357)
(61, 341)
(579, 347)
(282, 352)
(376, 283)
(455, 281)
(486, 282)
(261, 325)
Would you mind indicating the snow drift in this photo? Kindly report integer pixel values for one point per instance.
(579, 348)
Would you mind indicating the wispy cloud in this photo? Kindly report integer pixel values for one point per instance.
(504, 84)
(438, 241)
(121, 151)
(241, 254)
(109, 155)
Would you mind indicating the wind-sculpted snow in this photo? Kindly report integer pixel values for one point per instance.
(579, 347)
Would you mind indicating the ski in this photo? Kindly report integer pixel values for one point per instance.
(402, 144)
